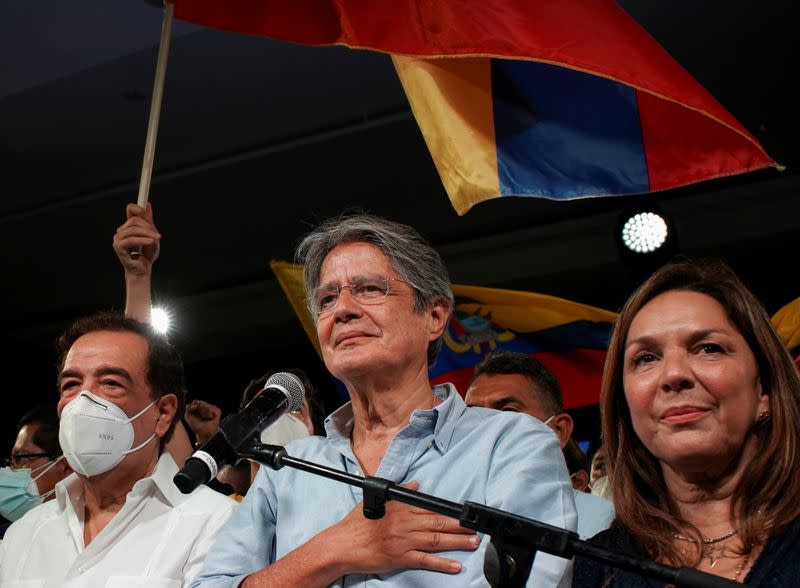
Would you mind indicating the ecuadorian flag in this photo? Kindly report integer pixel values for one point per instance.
(571, 339)
(552, 98)
(787, 323)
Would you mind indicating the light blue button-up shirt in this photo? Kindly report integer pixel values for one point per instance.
(507, 460)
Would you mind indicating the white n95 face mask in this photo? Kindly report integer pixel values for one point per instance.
(285, 429)
(95, 434)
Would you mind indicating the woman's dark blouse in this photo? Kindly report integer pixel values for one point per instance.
(777, 566)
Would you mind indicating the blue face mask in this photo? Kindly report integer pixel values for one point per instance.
(19, 492)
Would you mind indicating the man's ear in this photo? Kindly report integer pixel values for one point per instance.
(439, 313)
(562, 425)
(64, 469)
(167, 407)
(580, 481)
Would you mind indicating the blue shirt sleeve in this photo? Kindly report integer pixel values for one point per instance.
(247, 542)
(528, 477)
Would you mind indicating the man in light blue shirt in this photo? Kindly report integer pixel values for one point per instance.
(381, 299)
(454, 452)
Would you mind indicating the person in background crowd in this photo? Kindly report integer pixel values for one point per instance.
(307, 420)
(511, 381)
(118, 519)
(598, 465)
(204, 418)
(577, 465)
(599, 475)
(701, 426)
(35, 466)
(311, 412)
(380, 298)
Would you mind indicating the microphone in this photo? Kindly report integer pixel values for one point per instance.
(282, 393)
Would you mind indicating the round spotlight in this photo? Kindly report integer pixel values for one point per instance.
(159, 319)
(644, 232)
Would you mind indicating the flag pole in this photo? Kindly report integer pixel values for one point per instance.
(155, 112)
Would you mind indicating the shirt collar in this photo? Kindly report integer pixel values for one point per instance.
(442, 418)
(71, 488)
(161, 478)
(449, 413)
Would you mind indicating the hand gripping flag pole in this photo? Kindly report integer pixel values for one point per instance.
(155, 112)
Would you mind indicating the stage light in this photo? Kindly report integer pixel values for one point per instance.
(644, 232)
(159, 318)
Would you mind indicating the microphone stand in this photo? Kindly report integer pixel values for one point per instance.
(514, 539)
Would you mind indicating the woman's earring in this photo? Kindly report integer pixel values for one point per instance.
(762, 419)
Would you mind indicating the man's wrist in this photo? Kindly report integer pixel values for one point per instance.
(313, 564)
(329, 563)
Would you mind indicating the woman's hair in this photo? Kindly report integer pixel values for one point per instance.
(767, 499)
(417, 262)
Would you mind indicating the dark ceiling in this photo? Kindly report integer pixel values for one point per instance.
(260, 139)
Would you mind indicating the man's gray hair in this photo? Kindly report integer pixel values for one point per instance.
(419, 264)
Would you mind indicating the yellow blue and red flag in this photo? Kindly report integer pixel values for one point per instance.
(558, 99)
(570, 338)
(787, 323)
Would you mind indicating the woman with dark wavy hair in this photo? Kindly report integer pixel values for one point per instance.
(701, 423)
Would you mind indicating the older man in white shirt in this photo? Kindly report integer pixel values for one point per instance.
(118, 520)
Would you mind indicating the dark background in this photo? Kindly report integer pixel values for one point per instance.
(261, 139)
